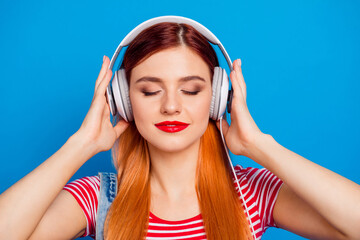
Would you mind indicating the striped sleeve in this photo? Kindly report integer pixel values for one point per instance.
(86, 191)
(265, 186)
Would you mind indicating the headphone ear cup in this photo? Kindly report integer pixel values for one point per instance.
(215, 94)
(110, 100)
(121, 95)
(224, 92)
(220, 86)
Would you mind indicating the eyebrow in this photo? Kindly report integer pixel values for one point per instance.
(158, 80)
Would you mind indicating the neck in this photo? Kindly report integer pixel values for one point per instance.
(173, 174)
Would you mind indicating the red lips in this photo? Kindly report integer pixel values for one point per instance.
(171, 126)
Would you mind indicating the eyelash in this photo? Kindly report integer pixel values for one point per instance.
(150, 93)
(186, 92)
(191, 93)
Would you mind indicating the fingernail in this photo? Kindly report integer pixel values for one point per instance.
(103, 58)
(238, 62)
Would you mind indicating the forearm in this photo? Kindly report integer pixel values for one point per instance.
(23, 204)
(333, 196)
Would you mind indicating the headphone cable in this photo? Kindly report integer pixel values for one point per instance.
(237, 180)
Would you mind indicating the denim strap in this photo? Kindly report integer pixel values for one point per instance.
(108, 190)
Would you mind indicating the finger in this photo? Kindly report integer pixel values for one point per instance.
(120, 127)
(238, 93)
(103, 70)
(101, 89)
(234, 82)
(240, 77)
(106, 111)
(99, 99)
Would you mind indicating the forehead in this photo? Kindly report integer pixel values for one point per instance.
(172, 64)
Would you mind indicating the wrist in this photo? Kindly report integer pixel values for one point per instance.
(259, 147)
(87, 147)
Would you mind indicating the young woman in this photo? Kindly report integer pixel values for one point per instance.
(174, 180)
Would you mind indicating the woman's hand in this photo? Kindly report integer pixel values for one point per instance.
(243, 130)
(97, 128)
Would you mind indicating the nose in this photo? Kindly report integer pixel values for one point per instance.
(171, 104)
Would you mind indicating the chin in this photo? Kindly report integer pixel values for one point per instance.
(175, 146)
(172, 143)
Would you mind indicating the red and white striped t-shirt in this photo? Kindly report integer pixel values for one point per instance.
(259, 188)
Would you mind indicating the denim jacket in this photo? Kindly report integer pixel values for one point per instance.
(108, 190)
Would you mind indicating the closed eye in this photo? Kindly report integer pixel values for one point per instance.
(150, 93)
(190, 93)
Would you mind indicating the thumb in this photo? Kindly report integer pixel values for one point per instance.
(225, 126)
(120, 127)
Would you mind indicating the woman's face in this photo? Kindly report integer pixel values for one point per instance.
(171, 85)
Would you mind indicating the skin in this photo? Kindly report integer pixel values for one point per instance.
(322, 205)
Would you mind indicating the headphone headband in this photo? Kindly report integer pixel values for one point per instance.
(175, 19)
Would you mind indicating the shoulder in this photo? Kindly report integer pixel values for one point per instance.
(256, 176)
(86, 192)
(84, 185)
(259, 188)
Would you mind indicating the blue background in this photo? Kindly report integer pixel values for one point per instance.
(300, 63)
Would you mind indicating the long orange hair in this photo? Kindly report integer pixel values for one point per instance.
(221, 210)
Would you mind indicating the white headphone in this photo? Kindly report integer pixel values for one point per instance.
(118, 92)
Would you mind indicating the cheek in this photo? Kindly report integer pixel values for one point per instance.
(200, 116)
(200, 107)
(140, 108)
(141, 116)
